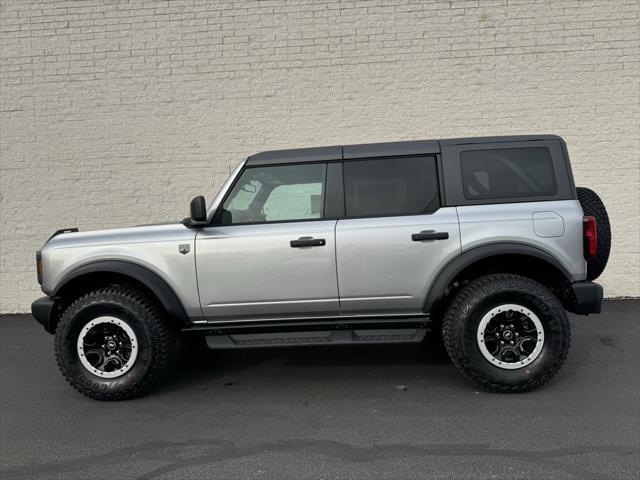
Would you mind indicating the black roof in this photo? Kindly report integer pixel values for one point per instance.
(387, 149)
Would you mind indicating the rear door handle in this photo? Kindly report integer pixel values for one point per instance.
(308, 242)
(429, 235)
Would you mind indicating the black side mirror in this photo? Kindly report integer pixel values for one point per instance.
(198, 210)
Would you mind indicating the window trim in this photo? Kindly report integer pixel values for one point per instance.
(439, 185)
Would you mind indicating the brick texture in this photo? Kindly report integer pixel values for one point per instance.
(116, 113)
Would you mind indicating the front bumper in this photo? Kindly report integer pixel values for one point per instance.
(42, 310)
(586, 298)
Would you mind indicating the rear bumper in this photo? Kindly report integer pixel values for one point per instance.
(42, 310)
(587, 298)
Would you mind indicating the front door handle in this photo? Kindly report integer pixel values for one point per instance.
(308, 242)
(429, 235)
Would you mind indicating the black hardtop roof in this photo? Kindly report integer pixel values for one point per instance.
(386, 149)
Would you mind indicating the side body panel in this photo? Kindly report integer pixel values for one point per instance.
(382, 270)
(554, 227)
(153, 247)
(249, 271)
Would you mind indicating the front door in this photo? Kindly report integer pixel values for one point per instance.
(394, 238)
(273, 253)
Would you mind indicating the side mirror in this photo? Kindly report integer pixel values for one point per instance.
(198, 210)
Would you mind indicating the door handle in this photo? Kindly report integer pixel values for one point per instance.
(429, 235)
(308, 242)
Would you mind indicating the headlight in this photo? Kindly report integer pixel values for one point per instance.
(39, 266)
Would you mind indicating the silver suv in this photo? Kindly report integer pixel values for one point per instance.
(484, 240)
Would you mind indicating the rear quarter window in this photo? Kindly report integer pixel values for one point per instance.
(507, 173)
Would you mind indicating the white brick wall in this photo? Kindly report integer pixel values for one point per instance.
(117, 113)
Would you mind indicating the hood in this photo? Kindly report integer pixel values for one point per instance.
(143, 233)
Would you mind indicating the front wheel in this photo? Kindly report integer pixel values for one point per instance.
(113, 343)
(506, 333)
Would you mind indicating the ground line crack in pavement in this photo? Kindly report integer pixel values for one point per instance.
(189, 453)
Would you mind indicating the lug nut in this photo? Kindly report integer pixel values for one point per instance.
(501, 342)
(511, 342)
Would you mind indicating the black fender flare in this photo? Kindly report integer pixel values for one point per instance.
(156, 284)
(473, 255)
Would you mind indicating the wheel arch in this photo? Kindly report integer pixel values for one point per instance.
(105, 272)
(522, 259)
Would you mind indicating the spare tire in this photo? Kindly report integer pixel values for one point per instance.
(593, 206)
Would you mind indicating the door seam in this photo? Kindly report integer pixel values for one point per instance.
(335, 256)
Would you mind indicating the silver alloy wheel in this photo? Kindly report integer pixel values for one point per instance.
(510, 336)
(107, 347)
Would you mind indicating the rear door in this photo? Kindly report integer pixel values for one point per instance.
(395, 236)
(272, 253)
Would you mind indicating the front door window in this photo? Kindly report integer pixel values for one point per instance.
(276, 194)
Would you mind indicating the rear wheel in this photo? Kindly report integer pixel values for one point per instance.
(506, 333)
(113, 343)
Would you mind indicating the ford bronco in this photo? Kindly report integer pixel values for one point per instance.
(485, 241)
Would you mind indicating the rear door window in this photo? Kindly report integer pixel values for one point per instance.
(508, 173)
(391, 186)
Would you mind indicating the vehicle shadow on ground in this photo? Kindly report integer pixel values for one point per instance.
(195, 364)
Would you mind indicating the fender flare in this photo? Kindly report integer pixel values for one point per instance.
(156, 284)
(469, 257)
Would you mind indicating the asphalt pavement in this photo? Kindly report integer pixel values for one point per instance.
(397, 412)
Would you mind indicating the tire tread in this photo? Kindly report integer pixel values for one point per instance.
(592, 205)
(162, 336)
(452, 332)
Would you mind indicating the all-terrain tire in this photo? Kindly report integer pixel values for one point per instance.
(592, 205)
(156, 341)
(463, 317)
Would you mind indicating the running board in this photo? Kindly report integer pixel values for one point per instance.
(308, 324)
(320, 337)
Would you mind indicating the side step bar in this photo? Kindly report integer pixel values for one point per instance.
(313, 331)
(322, 337)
